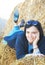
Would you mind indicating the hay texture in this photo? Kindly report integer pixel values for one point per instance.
(7, 54)
(30, 60)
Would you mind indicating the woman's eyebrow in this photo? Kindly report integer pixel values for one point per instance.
(35, 32)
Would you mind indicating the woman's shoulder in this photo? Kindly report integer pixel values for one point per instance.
(21, 36)
(21, 40)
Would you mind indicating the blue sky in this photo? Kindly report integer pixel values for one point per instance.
(7, 6)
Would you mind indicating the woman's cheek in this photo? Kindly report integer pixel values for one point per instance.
(34, 36)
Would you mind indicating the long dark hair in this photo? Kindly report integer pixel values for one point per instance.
(35, 23)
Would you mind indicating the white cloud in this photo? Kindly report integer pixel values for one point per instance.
(7, 6)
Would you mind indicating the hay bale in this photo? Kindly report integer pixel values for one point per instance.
(30, 60)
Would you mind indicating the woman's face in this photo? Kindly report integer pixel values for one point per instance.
(31, 34)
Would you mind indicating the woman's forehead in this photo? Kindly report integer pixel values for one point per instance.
(32, 28)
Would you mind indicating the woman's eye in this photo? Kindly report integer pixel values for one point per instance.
(27, 32)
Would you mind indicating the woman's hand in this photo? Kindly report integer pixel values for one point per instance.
(36, 41)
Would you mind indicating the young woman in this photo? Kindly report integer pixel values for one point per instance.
(30, 41)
